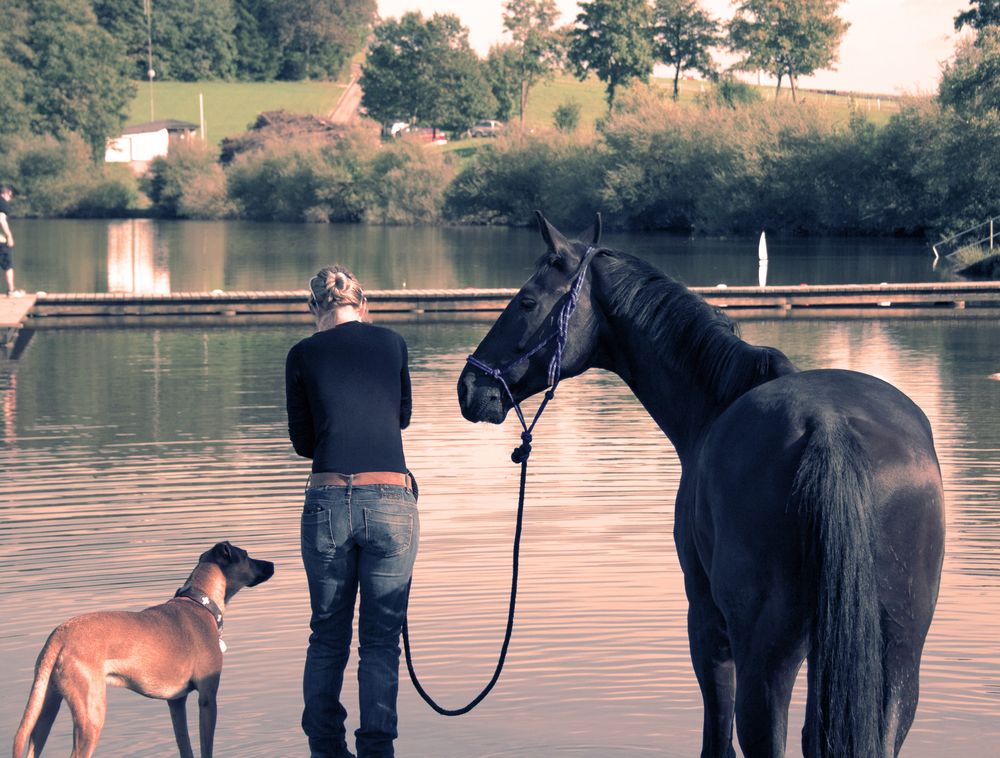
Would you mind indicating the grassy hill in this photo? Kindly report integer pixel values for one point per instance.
(231, 106)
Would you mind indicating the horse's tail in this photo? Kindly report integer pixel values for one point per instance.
(39, 693)
(833, 491)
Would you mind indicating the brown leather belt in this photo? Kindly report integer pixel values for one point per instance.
(330, 479)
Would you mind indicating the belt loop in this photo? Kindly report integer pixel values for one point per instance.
(350, 486)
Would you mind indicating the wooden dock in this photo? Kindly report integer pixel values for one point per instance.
(928, 300)
(13, 311)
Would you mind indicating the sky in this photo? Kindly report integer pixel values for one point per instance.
(891, 47)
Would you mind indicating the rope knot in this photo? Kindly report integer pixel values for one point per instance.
(521, 453)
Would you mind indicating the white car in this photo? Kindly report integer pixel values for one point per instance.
(486, 128)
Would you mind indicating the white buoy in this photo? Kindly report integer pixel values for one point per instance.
(762, 261)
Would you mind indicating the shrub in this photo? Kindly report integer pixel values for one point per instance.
(310, 179)
(170, 177)
(732, 93)
(205, 196)
(58, 177)
(407, 184)
(520, 172)
(567, 116)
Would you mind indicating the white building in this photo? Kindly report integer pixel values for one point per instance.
(140, 144)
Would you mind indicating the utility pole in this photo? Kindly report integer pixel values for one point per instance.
(147, 7)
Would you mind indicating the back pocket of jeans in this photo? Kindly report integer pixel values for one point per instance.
(388, 534)
(317, 530)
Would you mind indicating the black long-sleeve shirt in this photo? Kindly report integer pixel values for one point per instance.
(347, 391)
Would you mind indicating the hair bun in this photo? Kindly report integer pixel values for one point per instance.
(340, 281)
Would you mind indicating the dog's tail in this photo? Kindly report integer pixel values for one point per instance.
(37, 699)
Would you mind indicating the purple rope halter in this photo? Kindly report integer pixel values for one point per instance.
(521, 453)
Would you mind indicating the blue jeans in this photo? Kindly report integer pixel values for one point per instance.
(356, 536)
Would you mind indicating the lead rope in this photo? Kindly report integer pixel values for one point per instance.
(519, 455)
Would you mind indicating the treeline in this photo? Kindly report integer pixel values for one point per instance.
(653, 165)
(68, 67)
(254, 40)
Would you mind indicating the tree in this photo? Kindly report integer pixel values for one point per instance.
(255, 35)
(787, 37)
(193, 39)
(984, 13)
(424, 71)
(502, 74)
(318, 37)
(682, 36)
(125, 21)
(72, 76)
(970, 85)
(538, 45)
(613, 39)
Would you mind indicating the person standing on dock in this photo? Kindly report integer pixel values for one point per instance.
(7, 241)
(347, 391)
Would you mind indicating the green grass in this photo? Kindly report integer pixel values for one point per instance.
(590, 94)
(231, 106)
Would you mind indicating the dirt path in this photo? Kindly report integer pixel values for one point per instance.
(347, 108)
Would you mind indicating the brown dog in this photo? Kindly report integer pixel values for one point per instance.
(163, 652)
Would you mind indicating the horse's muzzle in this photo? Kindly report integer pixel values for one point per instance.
(481, 397)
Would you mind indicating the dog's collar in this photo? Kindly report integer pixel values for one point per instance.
(202, 599)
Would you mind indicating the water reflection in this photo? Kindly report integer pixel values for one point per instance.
(136, 263)
(126, 453)
(199, 256)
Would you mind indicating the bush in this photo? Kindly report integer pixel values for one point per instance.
(58, 177)
(520, 172)
(567, 116)
(205, 196)
(407, 185)
(718, 169)
(109, 197)
(170, 178)
(732, 93)
(306, 180)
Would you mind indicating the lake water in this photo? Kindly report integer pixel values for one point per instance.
(192, 256)
(125, 453)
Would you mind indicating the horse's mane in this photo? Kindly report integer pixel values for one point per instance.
(686, 332)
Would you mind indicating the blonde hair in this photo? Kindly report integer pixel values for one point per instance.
(333, 287)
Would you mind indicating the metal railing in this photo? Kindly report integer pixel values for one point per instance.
(984, 235)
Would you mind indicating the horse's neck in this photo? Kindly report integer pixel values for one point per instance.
(679, 405)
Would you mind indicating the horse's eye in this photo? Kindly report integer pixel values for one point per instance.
(528, 303)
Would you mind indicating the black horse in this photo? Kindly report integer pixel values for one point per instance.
(810, 513)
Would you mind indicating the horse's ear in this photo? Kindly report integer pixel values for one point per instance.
(594, 232)
(558, 245)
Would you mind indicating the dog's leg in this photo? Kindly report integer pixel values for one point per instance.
(178, 717)
(88, 701)
(207, 690)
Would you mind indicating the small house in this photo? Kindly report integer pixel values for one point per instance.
(140, 144)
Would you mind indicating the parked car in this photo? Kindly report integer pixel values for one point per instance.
(426, 134)
(486, 128)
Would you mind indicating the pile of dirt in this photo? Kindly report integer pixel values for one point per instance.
(280, 125)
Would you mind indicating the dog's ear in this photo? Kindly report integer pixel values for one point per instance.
(223, 552)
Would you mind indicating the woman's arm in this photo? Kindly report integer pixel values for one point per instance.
(300, 424)
(406, 391)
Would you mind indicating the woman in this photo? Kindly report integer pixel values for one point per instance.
(347, 389)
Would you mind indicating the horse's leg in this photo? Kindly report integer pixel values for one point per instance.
(713, 665)
(770, 639)
(909, 567)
